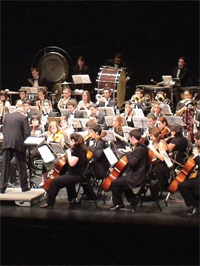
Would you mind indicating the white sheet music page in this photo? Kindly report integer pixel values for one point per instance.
(110, 156)
(46, 154)
(34, 141)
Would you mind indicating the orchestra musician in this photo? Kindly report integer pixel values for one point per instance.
(134, 174)
(77, 162)
(138, 100)
(94, 111)
(23, 97)
(4, 99)
(189, 188)
(182, 105)
(47, 112)
(35, 80)
(178, 143)
(62, 104)
(118, 62)
(85, 103)
(27, 107)
(106, 100)
(129, 114)
(100, 164)
(164, 127)
(119, 142)
(152, 122)
(156, 109)
(42, 95)
(160, 168)
(182, 72)
(53, 135)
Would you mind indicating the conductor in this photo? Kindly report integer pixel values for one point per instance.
(15, 131)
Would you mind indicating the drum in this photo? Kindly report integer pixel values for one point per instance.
(114, 78)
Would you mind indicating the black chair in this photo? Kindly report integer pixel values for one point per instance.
(150, 182)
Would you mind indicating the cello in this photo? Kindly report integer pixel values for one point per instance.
(114, 173)
(184, 172)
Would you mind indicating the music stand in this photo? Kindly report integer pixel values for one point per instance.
(166, 110)
(31, 142)
(76, 123)
(140, 122)
(108, 111)
(138, 112)
(85, 113)
(109, 136)
(84, 122)
(109, 120)
(174, 120)
(57, 148)
(81, 79)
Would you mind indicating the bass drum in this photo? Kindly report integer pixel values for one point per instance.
(114, 78)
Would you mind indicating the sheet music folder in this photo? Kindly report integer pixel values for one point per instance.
(81, 79)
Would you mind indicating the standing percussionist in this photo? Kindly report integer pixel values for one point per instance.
(15, 131)
(134, 174)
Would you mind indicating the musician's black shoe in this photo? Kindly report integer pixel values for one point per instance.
(195, 211)
(25, 189)
(134, 203)
(45, 205)
(74, 201)
(116, 207)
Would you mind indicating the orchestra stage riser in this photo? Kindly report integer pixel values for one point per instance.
(23, 199)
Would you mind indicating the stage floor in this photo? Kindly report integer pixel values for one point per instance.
(84, 235)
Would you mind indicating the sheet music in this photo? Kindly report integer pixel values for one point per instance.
(81, 79)
(167, 159)
(34, 141)
(46, 154)
(110, 156)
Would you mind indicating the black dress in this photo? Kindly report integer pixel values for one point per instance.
(73, 176)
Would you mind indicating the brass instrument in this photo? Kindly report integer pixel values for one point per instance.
(100, 98)
(136, 99)
(161, 99)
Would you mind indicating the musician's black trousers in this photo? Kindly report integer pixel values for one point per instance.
(118, 187)
(68, 180)
(189, 190)
(20, 158)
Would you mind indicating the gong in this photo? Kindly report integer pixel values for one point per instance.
(53, 67)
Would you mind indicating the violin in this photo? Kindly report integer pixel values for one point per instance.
(184, 172)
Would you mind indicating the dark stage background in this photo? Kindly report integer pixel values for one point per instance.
(152, 36)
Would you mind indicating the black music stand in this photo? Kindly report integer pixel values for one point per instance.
(32, 142)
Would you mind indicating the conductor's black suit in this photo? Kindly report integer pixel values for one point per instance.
(15, 131)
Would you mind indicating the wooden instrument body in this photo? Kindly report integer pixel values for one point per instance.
(115, 172)
(185, 171)
(56, 172)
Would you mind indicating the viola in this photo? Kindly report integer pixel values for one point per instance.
(114, 173)
(56, 172)
(185, 171)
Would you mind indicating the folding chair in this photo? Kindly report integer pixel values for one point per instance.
(147, 185)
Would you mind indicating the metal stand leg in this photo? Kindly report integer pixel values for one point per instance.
(32, 184)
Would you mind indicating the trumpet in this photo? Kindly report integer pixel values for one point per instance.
(100, 98)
